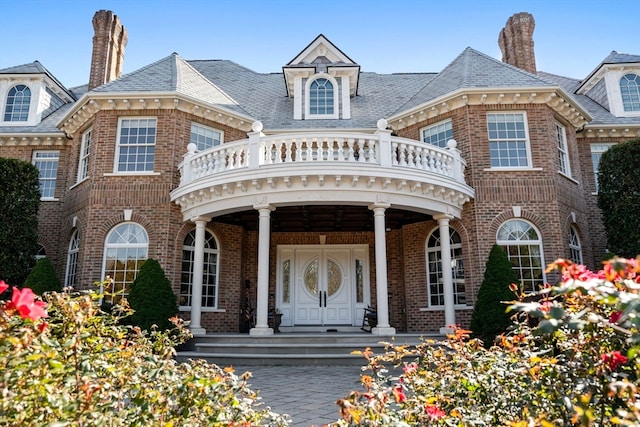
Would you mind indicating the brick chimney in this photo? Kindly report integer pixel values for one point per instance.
(516, 42)
(109, 40)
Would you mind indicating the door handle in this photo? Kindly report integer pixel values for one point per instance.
(320, 299)
(325, 298)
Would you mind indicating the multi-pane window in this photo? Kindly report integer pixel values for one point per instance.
(321, 97)
(438, 134)
(83, 164)
(523, 246)
(205, 137)
(209, 271)
(575, 248)
(563, 153)
(435, 285)
(72, 261)
(508, 140)
(47, 164)
(126, 249)
(597, 150)
(136, 145)
(17, 106)
(630, 91)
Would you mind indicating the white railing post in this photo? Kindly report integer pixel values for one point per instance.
(254, 145)
(185, 166)
(384, 140)
(458, 163)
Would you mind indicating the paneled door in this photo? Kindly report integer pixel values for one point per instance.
(323, 287)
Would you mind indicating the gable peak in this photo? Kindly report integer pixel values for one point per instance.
(321, 50)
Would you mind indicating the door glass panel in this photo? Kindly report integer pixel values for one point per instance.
(286, 266)
(311, 277)
(359, 282)
(335, 277)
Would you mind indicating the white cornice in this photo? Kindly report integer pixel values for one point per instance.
(611, 131)
(33, 139)
(599, 73)
(91, 103)
(555, 97)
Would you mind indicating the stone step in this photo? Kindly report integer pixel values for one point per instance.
(292, 348)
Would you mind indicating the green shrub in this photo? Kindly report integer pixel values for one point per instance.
(82, 368)
(489, 317)
(578, 366)
(43, 278)
(20, 195)
(618, 192)
(152, 298)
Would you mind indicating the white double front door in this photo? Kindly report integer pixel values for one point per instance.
(322, 285)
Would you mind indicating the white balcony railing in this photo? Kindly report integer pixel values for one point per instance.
(330, 148)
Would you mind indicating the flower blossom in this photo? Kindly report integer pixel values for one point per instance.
(434, 412)
(23, 301)
(614, 359)
(3, 286)
(398, 393)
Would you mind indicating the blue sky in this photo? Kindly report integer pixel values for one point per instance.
(571, 37)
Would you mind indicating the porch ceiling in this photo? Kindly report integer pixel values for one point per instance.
(316, 218)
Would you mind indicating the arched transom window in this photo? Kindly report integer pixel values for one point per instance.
(630, 91)
(126, 249)
(17, 106)
(435, 286)
(72, 260)
(523, 246)
(209, 272)
(575, 248)
(321, 97)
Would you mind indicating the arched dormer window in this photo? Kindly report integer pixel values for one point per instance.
(630, 91)
(18, 102)
(322, 98)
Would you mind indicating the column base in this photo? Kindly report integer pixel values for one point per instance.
(383, 331)
(446, 330)
(261, 332)
(199, 331)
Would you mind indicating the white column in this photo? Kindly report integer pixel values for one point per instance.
(196, 286)
(262, 305)
(447, 276)
(382, 293)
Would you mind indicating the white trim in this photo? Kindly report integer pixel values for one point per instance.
(117, 150)
(527, 139)
(307, 98)
(564, 150)
(83, 159)
(215, 251)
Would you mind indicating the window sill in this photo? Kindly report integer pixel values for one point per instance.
(204, 309)
(132, 174)
(78, 183)
(568, 177)
(49, 199)
(526, 169)
(441, 308)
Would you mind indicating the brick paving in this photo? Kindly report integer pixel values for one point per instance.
(306, 393)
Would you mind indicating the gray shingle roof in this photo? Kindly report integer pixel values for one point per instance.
(473, 69)
(172, 74)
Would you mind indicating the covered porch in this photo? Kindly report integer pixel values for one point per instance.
(308, 183)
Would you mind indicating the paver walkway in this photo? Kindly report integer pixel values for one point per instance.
(307, 393)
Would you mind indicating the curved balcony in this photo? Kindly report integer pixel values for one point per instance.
(326, 167)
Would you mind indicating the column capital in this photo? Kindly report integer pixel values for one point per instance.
(200, 218)
(443, 216)
(379, 205)
(261, 206)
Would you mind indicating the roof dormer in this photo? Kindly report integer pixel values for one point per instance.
(615, 84)
(322, 80)
(28, 94)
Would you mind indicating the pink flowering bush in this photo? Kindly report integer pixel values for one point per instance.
(570, 359)
(64, 362)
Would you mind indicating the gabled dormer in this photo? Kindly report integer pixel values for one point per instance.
(321, 80)
(615, 84)
(28, 94)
